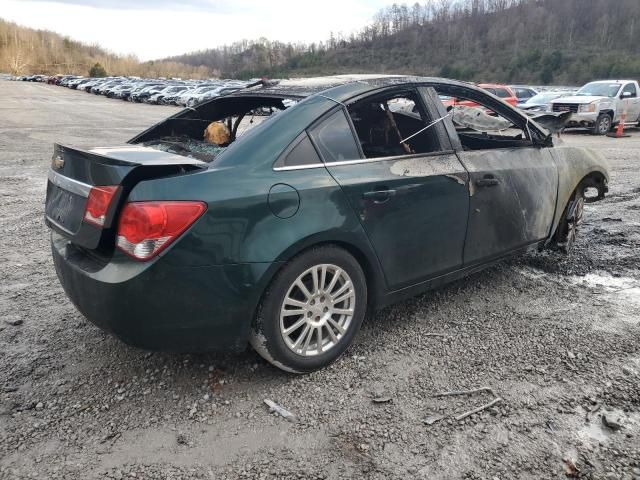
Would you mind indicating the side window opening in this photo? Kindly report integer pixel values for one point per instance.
(334, 139)
(631, 88)
(300, 154)
(390, 125)
(481, 126)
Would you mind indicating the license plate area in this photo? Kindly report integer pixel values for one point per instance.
(65, 209)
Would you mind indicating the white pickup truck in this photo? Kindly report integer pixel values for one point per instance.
(598, 106)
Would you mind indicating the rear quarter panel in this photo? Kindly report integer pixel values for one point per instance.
(240, 227)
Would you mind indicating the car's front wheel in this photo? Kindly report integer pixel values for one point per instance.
(312, 310)
(565, 236)
(603, 125)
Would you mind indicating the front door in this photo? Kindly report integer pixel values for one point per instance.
(411, 196)
(512, 199)
(513, 182)
(631, 103)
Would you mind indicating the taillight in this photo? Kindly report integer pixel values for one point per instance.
(147, 228)
(98, 204)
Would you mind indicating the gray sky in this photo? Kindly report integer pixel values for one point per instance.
(159, 28)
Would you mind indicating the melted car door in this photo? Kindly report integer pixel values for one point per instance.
(512, 200)
(413, 207)
(513, 183)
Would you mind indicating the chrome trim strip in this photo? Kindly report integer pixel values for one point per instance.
(368, 160)
(299, 167)
(362, 160)
(69, 184)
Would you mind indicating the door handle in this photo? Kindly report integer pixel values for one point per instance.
(487, 181)
(379, 196)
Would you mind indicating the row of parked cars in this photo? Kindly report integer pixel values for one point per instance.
(191, 92)
(161, 91)
(597, 106)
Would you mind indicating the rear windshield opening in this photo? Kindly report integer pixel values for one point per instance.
(206, 131)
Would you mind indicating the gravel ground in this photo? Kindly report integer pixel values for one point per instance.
(557, 338)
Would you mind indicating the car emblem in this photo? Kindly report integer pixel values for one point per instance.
(564, 109)
(57, 162)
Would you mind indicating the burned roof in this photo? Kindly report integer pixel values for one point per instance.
(305, 87)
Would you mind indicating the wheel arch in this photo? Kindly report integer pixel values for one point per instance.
(597, 179)
(376, 285)
(364, 255)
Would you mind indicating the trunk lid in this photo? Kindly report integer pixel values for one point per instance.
(74, 172)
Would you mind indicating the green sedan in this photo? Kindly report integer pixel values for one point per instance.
(280, 214)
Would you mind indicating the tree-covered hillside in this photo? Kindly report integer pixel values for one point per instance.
(515, 41)
(533, 41)
(27, 51)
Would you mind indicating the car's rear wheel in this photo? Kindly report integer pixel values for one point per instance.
(312, 310)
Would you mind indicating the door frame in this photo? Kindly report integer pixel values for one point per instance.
(429, 113)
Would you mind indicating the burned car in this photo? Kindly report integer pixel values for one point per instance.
(278, 215)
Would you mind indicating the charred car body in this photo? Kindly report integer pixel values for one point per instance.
(325, 198)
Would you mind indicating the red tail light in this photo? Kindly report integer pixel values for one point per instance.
(147, 228)
(98, 204)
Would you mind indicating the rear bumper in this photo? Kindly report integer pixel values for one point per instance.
(160, 307)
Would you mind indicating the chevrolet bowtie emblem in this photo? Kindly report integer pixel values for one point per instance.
(57, 162)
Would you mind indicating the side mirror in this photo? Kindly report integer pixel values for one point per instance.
(626, 95)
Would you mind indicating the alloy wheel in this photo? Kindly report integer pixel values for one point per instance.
(605, 125)
(317, 310)
(573, 223)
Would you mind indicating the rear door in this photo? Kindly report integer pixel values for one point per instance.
(410, 197)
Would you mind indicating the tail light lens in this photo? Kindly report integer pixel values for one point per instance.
(147, 228)
(98, 204)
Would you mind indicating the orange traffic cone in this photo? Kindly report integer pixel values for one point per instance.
(620, 127)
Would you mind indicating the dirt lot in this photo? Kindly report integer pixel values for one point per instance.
(556, 337)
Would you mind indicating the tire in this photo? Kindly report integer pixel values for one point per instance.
(603, 124)
(290, 341)
(567, 231)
